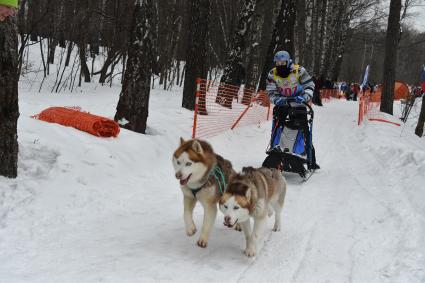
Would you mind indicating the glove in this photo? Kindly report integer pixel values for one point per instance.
(280, 101)
(308, 93)
(299, 99)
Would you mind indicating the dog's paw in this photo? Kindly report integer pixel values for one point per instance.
(191, 231)
(250, 252)
(238, 227)
(202, 243)
(276, 228)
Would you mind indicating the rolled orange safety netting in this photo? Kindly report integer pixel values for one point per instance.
(83, 121)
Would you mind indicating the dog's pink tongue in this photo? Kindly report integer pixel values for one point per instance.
(184, 182)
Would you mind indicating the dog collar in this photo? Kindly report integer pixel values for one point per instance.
(195, 191)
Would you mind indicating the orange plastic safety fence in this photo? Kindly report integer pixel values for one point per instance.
(370, 103)
(328, 94)
(221, 107)
(74, 117)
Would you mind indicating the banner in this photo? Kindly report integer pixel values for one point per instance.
(365, 78)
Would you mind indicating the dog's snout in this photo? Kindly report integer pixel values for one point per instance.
(179, 175)
(227, 219)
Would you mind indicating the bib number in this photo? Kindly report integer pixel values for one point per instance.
(288, 91)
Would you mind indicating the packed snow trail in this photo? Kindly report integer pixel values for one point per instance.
(355, 220)
(86, 209)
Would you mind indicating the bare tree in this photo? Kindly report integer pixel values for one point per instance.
(197, 50)
(282, 37)
(301, 35)
(390, 61)
(259, 38)
(234, 71)
(9, 109)
(133, 105)
(99, 30)
(318, 36)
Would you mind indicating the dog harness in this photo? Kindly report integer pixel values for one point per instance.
(218, 176)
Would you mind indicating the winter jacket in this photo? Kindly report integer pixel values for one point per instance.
(9, 3)
(298, 83)
(423, 79)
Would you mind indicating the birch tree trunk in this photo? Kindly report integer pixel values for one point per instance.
(133, 105)
(318, 48)
(340, 48)
(301, 29)
(390, 60)
(330, 37)
(9, 109)
(312, 34)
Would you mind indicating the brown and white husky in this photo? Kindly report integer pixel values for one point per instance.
(255, 193)
(203, 176)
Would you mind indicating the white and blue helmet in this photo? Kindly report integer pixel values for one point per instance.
(282, 56)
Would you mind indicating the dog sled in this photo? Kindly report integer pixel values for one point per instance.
(291, 145)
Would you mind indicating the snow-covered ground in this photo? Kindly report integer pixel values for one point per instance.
(87, 209)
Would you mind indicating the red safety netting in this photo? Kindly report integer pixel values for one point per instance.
(370, 103)
(222, 107)
(83, 121)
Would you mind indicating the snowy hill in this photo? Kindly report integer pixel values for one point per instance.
(86, 209)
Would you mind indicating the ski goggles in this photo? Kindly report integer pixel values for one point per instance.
(281, 63)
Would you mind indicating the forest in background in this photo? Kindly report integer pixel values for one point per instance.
(335, 39)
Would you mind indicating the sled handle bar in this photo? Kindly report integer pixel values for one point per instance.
(310, 109)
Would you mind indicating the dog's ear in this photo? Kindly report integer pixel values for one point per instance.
(248, 194)
(196, 146)
(248, 170)
(181, 140)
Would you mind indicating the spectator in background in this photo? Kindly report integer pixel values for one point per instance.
(318, 85)
(344, 90)
(328, 84)
(355, 90)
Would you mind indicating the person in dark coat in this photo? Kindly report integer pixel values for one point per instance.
(318, 85)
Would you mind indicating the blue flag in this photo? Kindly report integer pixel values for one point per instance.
(366, 77)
